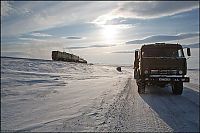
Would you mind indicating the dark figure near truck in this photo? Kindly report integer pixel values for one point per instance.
(161, 64)
(119, 69)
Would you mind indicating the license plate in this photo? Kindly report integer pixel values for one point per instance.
(164, 79)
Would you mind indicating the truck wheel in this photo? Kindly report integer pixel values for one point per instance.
(177, 88)
(141, 87)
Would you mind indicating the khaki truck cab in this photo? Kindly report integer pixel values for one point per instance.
(161, 64)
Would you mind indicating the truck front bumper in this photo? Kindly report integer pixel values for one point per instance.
(168, 79)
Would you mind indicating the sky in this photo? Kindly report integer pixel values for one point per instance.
(105, 32)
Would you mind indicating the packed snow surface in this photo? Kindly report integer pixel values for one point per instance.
(42, 95)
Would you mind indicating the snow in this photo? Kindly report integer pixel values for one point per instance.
(44, 95)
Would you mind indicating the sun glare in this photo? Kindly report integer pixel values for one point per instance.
(109, 33)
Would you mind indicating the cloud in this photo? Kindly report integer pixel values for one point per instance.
(119, 26)
(194, 45)
(101, 46)
(35, 15)
(91, 46)
(30, 39)
(146, 10)
(9, 9)
(123, 52)
(73, 37)
(161, 38)
(37, 34)
(45, 15)
(5, 8)
(155, 9)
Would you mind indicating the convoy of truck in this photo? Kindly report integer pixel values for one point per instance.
(161, 64)
(63, 56)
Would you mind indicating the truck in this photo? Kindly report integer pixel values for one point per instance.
(64, 56)
(161, 64)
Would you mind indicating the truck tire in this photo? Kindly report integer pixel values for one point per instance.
(141, 87)
(177, 88)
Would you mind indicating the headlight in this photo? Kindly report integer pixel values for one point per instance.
(180, 72)
(146, 72)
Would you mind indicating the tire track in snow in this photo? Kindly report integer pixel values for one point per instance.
(157, 111)
(130, 112)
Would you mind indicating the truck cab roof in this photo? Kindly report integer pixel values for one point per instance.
(164, 45)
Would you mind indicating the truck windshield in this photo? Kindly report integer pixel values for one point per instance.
(162, 52)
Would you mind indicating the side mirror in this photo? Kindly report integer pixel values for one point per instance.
(188, 52)
(136, 55)
(136, 62)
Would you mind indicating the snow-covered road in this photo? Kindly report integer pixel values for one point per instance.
(39, 95)
(156, 111)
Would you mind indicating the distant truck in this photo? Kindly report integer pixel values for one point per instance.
(63, 56)
(161, 64)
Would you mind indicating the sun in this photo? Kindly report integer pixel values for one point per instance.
(109, 33)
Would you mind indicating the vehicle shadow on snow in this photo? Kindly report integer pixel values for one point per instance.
(180, 112)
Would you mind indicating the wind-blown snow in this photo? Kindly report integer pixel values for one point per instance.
(35, 92)
(42, 95)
